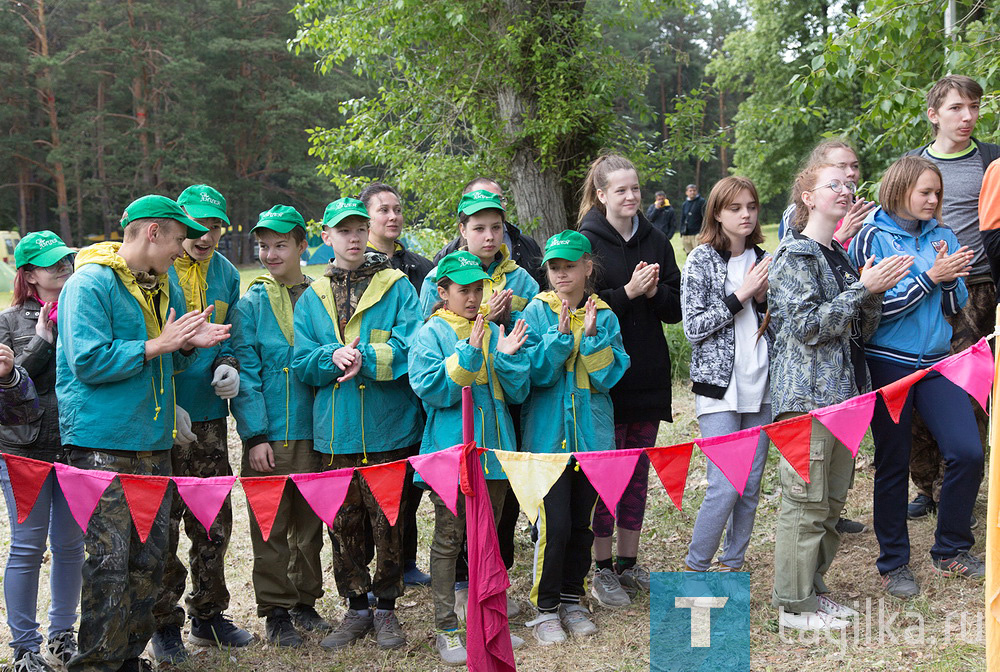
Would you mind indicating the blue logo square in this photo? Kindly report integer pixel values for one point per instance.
(699, 622)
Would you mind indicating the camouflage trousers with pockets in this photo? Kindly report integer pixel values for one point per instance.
(207, 456)
(121, 574)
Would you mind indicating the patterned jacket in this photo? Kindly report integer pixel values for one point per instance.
(811, 358)
(708, 319)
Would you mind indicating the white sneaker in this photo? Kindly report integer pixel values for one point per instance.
(811, 620)
(835, 609)
(547, 629)
(576, 619)
(450, 648)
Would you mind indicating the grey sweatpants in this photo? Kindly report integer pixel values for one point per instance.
(723, 507)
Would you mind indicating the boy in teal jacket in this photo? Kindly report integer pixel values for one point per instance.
(273, 413)
(120, 342)
(203, 390)
(352, 332)
(455, 348)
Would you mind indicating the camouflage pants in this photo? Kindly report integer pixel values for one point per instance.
(287, 570)
(120, 574)
(207, 456)
(350, 569)
(968, 326)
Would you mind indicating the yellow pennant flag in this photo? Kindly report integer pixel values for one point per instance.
(531, 476)
(992, 531)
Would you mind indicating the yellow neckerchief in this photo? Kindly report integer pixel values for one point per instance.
(498, 271)
(378, 287)
(281, 303)
(192, 276)
(106, 254)
(463, 329)
(575, 362)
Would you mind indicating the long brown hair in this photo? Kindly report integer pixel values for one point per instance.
(23, 290)
(723, 194)
(597, 178)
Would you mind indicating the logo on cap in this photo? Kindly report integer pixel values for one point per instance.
(213, 201)
(270, 215)
(467, 262)
(46, 243)
(558, 241)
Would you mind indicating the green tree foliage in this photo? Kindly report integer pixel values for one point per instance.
(150, 97)
(528, 92)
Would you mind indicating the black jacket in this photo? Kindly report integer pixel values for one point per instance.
(39, 439)
(525, 252)
(692, 214)
(415, 266)
(643, 394)
(662, 219)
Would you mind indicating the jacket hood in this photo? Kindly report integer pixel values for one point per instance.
(884, 222)
(104, 254)
(595, 222)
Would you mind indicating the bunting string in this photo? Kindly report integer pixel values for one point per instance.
(531, 475)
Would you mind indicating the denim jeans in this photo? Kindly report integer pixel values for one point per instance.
(49, 519)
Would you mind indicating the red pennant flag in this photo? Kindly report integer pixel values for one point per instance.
(143, 494)
(386, 483)
(792, 437)
(27, 476)
(264, 495)
(671, 464)
(894, 394)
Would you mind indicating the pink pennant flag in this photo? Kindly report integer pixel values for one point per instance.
(733, 454)
(440, 471)
(609, 471)
(204, 496)
(325, 491)
(83, 489)
(972, 370)
(848, 420)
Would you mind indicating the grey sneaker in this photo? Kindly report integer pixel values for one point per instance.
(900, 583)
(308, 619)
(634, 580)
(59, 649)
(963, 564)
(388, 631)
(279, 629)
(29, 661)
(547, 629)
(356, 624)
(576, 619)
(450, 647)
(607, 589)
(168, 647)
(218, 631)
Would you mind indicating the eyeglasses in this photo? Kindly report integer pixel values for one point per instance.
(837, 186)
(59, 266)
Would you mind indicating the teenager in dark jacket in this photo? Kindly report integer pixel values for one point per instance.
(661, 215)
(641, 282)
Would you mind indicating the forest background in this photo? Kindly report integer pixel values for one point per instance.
(276, 102)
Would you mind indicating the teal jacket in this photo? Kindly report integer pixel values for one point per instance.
(504, 274)
(110, 397)
(442, 362)
(214, 282)
(376, 410)
(273, 404)
(569, 408)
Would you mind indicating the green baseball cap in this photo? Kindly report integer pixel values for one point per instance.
(41, 248)
(154, 205)
(477, 200)
(201, 200)
(569, 245)
(461, 267)
(341, 208)
(280, 218)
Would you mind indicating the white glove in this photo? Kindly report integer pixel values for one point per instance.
(183, 422)
(226, 381)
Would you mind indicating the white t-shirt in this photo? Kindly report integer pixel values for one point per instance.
(748, 387)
